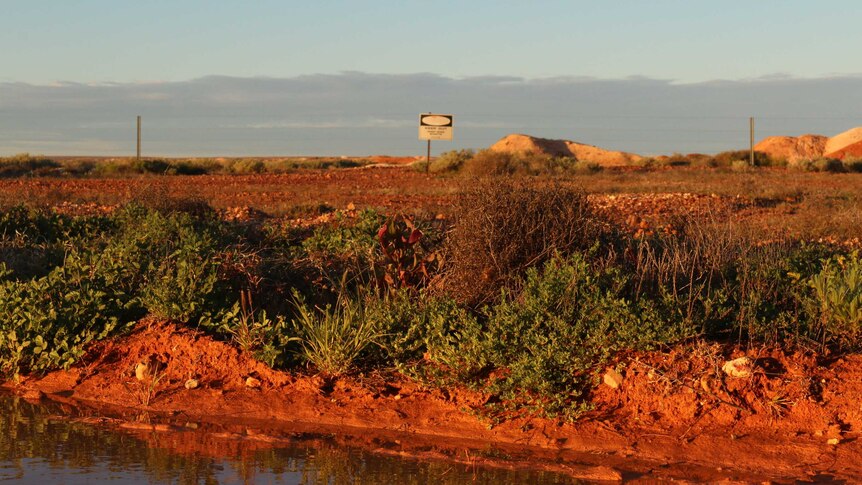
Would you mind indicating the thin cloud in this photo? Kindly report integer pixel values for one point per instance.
(366, 113)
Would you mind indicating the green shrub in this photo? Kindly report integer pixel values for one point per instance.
(565, 323)
(416, 332)
(247, 165)
(817, 165)
(741, 166)
(186, 168)
(150, 165)
(450, 161)
(491, 163)
(25, 164)
(171, 261)
(253, 331)
(47, 322)
(348, 244)
(585, 167)
(838, 291)
(832, 165)
(853, 165)
(727, 159)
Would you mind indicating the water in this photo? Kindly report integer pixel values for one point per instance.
(50, 443)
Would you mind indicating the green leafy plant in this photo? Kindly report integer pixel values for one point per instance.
(838, 289)
(253, 331)
(566, 322)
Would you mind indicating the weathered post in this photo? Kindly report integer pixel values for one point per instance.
(751, 141)
(138, 156)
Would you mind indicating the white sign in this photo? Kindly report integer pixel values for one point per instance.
(435, 127)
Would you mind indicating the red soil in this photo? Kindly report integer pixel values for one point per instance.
(674, 416)
(850, 151)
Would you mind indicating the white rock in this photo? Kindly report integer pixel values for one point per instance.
(142, 371)
(741, 367)
(613, 379)
(191, 384)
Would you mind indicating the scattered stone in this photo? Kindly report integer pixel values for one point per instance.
(613, 379)
(142, 371)
(597, 473)
(741, 367)
(351, 206)
(252, 382)
(33, 395)
(191, 384)
(833, 441)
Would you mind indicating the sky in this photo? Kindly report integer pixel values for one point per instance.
(222, 77)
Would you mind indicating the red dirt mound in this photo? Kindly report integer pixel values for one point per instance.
(518, 143)
(850, 151)
(793, 147)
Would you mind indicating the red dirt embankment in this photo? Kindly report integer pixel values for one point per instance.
(674, 415)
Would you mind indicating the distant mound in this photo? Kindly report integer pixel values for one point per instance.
(812, 146)
(517, 143)
(843, 140)
(850, 151)
(793, 147)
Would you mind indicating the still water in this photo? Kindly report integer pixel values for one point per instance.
(41, 444)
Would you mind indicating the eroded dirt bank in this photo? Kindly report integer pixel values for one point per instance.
(675, 414)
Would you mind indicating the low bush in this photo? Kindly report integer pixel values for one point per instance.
(502, 228)
(491, 163)
(853, 165)
(838, 294)
(817, 165)
(26, 164)
(727, 159)
(566, 322)
(450, 161)
(47, 322)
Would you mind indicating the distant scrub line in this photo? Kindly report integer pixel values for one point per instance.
(466, 162)
(526, 295)
(26, 165)
(499, 163)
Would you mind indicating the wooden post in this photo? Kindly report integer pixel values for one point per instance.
(751, 140)
(138, 156)
(428, 156)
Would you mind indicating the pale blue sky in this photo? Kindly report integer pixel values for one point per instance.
(330, 77)
(174, 40)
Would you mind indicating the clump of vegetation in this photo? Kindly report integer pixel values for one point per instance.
(831, 165)
(333, 337)
(568, 319)
(450, 161)
(728, 159)
(490, 163)
(25, 164)
(838, 293)
(853, 165)
(504, 228)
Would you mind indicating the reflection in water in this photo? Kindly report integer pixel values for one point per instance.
(39, 444)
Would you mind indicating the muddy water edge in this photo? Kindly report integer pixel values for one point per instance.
(51, 442)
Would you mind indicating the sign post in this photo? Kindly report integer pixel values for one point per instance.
(434, 127)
